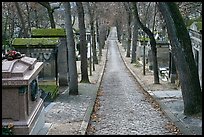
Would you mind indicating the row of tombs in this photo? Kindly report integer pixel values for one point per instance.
(22, 103)
(22, 100)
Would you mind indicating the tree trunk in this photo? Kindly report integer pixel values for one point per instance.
(50, 13)
(24, 32)
(95, 59)
(11, 24)
(128, 10)
(28, 18)
(102, 35)
(4, 32)
(153, 46)
(118, 27)
(98, 39)
(73, 83)
(135, 37)
(107, 29)
(183, 56)
(83, 44)
(52, 21)
(129, 36)
(154, 19)
(93, 43)
(36, 19)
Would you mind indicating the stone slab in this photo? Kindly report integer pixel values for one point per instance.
(45, 129)
(167, 94)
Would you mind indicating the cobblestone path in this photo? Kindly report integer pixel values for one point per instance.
(123, 108)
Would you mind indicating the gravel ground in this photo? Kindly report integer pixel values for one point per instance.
(121, 107)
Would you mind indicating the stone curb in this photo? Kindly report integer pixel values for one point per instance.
(178, 123)
(89, 110)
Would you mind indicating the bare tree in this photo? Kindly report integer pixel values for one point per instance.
(91, 21)
(83, 44)
(9, 11)
(28, 17)
(128, 10)
(183, 56)
(5, 23)
(98, 39)
(135, 35)
(152, 43)
(73, 83)
(104, 20)
(23, 27)
(50, 11)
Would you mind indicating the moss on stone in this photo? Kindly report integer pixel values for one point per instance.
(59, 32)
(22, 42)
(52, 89)
(199, 25)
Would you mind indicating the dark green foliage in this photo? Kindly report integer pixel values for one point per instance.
(7, 130)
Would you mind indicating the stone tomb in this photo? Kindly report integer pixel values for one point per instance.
(44, 49)
(21, 102)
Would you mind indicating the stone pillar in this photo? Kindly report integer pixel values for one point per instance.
(63, 62)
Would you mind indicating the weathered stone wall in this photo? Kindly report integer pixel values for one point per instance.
(63, 62)
(163, 56)
(47, 56)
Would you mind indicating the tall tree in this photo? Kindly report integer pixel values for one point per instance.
(83, 43)
(102, 34)
(28, 17)
(5, 23)
(98, 39)
(23, 26)
(128, 10)
(152, 43)
(118, 21)
(11, 20)
(91, 21)
(73, 83)
(39, 20)
(135, 35)
(118, 27)
(50, 11)
(183, 56)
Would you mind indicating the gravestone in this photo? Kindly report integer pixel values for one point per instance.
(162, 55)
(21, 102)
(62, 57)
(45, 50)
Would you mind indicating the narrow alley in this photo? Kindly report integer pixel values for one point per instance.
(123, 108)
